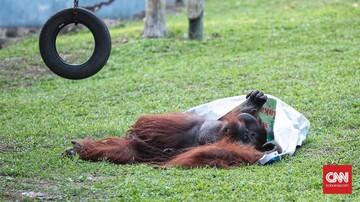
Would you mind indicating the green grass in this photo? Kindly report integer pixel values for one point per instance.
(305, 52)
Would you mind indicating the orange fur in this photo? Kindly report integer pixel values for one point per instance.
(222, 154)
(161, 139)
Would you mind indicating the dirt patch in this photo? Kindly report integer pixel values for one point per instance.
(15, 190)
(2, 147)
(317, 152)
(21, 71)
(121, 40)
(25, 67)
(5, 148)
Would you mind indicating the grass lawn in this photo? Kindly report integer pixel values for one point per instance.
(305, 52)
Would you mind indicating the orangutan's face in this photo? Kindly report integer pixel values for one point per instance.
(246, 129)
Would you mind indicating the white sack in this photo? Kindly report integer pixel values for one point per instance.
(290, 127)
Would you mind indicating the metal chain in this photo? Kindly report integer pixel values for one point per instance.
(75, 13)
(76, 3)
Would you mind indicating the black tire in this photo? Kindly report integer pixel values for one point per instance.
(52, 58)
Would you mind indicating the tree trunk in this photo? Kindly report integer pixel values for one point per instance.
(195, 10)
(155, 25)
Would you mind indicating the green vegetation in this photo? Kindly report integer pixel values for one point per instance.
(305, 52)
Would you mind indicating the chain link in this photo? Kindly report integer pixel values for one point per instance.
(75, 13)
(76, 3)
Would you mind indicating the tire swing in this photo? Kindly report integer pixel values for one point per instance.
(50, 32)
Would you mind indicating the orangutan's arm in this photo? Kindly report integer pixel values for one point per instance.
(253, 103)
